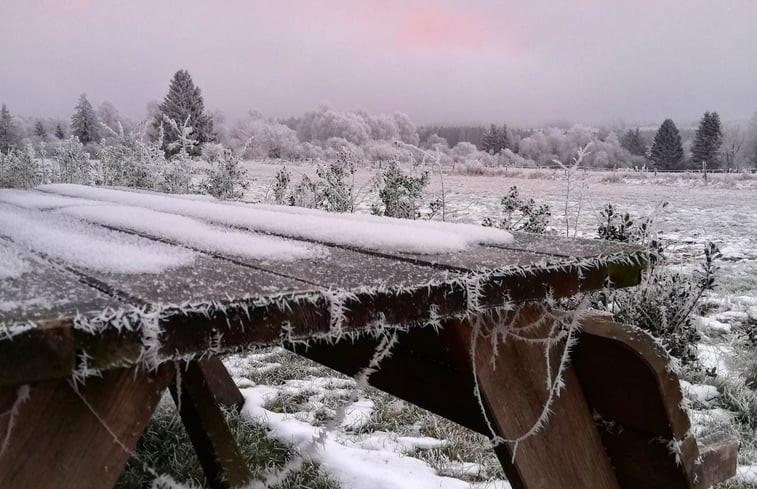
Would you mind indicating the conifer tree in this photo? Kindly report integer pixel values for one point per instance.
(494, 140)
(8, 134)
(667, 150)
(59, 132)
(84, 122)
(183, 103)
(40, 131)
(634, 143)
(707, 142)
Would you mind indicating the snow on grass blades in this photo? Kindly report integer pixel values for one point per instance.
(382, 234)
(88, 246)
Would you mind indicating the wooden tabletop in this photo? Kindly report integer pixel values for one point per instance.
(60, 299)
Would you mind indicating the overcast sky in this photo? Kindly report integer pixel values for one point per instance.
(523, 62)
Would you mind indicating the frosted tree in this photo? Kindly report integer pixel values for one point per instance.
(494, 141)
(40, 131)
(667, 150)
(8, 133)
(59, 132)
(633, 142)
(108, 115)
(707, 142)
(84, 123)
(184, 104)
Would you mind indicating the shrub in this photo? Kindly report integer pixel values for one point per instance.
(665, 300)
(73, 162)
(400, 194)
(520, 215)
(226, 178)
(21, 169)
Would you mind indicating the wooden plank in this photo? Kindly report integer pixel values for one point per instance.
(568, 450)
(719, 460)
(43, 292)
(637, 397)
(219, 381)
(58, 443)
(214, 444)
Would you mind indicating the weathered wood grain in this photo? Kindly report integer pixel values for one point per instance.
(58, 443)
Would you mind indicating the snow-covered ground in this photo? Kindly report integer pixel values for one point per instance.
(723, 211)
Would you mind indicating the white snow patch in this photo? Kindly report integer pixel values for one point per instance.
(374, 463)
(358, 414)
(699, 392)
(399, 235)
(32, 199)
(712, 324)
(198, 234)
(12, 264)
(715, 356)
(87, 245)
(747, 473)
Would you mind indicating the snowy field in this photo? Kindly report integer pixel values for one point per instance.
(294, 398)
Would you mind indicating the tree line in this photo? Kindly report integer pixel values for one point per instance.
(180, 121)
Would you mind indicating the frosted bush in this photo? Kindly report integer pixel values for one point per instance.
(73, 162)
(21, 169)
(226, 179)
(400, 194)
(211, 152)
(336, 192)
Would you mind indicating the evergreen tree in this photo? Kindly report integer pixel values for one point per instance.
(59, 132)
(8, 136)
(667, 150)
(84, 122)
(40, 131)
(707, 141)
(184, 103)
(494, 140)
(633, 142)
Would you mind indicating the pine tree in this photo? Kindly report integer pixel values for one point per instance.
(633, 142)
(494, 140)
(489, 140)
(707, 142)
(667, 150)
(8, 136)
(84, 122)
(59, 132)
(184, 103)
(40, 131)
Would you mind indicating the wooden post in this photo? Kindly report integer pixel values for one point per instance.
(214, 444)
(59, 441)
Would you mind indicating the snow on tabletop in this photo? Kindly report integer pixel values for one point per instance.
(195, 233)
(86, 245)
(386, 234)
(31, 199)
(374, 462)
(12, 264)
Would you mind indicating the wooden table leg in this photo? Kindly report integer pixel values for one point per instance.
(434, 371)
(57, 441)
(216, 448)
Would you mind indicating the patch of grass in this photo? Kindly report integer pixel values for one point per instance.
(166, 448)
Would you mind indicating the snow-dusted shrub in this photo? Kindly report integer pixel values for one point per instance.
(336, 193)
(132, 163)
(73, 162)
(518, 214)
(211, 152)
(664, 302)
(21, 169)
(280, 186)
(226, 178)
(401, 195)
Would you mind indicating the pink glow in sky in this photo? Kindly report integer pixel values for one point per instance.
(520, 61)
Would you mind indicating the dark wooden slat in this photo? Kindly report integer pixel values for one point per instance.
(719, 460)
(219, 381)
(214, 444)
(45, 292)
(628, 383)
(58, 443)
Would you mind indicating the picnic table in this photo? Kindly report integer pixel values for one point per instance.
(108, 297)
